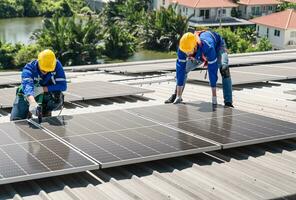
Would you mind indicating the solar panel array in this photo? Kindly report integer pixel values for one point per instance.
(253, 74)
(81, 91)
(117, 138)
(228, 127)
(233, 61)
(27, 152)
(68, 144)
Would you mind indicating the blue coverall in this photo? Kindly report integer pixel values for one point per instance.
(214, 49)
(31, 78)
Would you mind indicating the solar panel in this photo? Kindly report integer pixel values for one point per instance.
(237, 78)
(234, 60)
(293, 92)
(143, 68)
(253, 74)
(10, 79)
(229, 127)
(100, 89)
(81, 91)
(7, 97)
(119, 138)
(28, 153)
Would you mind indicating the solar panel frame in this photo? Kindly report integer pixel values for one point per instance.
(253, 74)
(205, 127)
(112, 137)
(26, 152)
(234, 60)
(79, 92)
(100, 89)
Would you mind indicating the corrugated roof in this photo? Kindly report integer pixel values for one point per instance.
(284, 20)
(258, 2)
(265, 171)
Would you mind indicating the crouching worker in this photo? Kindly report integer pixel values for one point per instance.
(43, 81)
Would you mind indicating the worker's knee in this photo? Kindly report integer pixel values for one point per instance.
(225, 72)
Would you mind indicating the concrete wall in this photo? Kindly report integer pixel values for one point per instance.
(160, 3)
(290, 39)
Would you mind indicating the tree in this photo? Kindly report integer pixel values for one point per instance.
(7, 54)
(119, 43)
(263, 45)
(75, 42)
(286, 5)
(163, 28)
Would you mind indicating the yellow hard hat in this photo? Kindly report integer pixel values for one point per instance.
(47, 60)
(188, 42)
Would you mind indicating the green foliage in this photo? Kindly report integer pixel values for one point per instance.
(286, 5)
(74, 41)
(7, 54)
(243, 40)
(119, 43)
(163, 28)
(26, 54)
(33, 8)
(263, 45)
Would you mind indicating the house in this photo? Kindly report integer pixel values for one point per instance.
(279, 28)
(256, 8)
(204, 12)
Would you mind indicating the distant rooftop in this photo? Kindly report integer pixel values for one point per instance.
(284, 20)
(206, 3)
(258, 2)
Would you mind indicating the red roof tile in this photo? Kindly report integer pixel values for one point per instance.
(259, 2)
(206, 3)
(284, 20)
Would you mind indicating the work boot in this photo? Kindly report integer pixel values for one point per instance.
(171, 99)
(228, 105)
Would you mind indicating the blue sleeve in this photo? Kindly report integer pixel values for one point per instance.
(210, 53)
(181, 68)
(28, 80)
(60, 79)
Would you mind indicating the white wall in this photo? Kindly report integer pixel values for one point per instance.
(278, 42)
(213, 12)
(159, 3)
(289, 38)
(246, 11)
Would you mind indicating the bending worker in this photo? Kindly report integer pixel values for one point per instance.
(43, 81)
(208, 47)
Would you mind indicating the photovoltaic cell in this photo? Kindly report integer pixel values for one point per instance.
(27, 153)
(252, 74)
(81, 91)
(226, 126)
(119, 138)
(100, 89)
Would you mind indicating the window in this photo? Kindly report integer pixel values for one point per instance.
(224, 11)
(253, 10)
(258, 29)
(277, 33)
(186, 11)
(163, 2)
(267, 32)
(270, 8)
(183, 9)
(202, 13)
(293, 34)
(264, 8)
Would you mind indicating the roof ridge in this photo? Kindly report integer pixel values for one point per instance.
(289, 18)
(196, 3)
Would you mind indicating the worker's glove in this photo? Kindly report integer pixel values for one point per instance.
(214, 100)
(38, 91)
(33, 108)
(178, 100)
